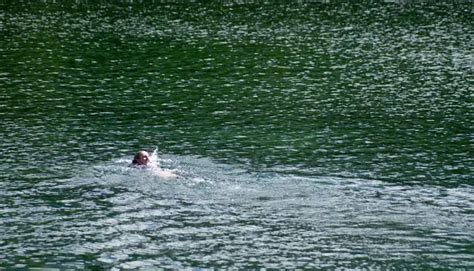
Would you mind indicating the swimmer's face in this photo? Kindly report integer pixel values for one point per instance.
(142, 158)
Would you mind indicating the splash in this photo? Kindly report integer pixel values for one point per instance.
(156, 160)
(156, 168)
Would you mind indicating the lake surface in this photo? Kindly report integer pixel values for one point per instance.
(309, 135)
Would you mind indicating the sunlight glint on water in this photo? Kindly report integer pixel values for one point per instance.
(305, 135)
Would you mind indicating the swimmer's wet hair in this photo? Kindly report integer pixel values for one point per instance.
(134, 162)
(135, 159)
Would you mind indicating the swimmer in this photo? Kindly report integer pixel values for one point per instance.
(142, 158)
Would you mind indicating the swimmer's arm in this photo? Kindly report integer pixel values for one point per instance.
(167, 174)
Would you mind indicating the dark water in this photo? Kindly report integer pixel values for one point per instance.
(306, 135)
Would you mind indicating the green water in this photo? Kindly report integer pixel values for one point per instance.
(310, 135)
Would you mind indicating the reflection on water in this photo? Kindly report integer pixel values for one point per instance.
(312, 135)
(221, 215)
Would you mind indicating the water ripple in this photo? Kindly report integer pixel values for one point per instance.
(343, 134)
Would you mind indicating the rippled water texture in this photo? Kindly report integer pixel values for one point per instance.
(314, 135)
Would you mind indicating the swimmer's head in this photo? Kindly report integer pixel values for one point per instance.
(142, 158)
